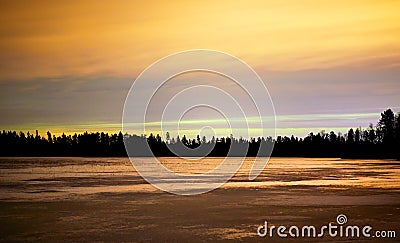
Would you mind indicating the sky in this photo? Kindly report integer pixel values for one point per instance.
(68, 66)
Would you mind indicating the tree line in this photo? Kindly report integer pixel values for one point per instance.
(377, 141)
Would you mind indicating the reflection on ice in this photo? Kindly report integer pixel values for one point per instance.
(52, 178)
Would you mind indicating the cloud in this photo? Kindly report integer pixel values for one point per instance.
(81, 38)
(69, 65)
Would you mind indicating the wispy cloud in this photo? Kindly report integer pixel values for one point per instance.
(305, 124)
(69, 66)
(90, 38)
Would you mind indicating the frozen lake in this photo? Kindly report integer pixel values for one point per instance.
(105, 199)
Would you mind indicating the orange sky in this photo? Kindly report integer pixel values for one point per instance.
(47, 38)
(67, 65)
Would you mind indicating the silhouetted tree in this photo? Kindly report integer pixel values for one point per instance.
(350, 136)
(397, 128)
(357, 136)
(386, 126)
(381, 141)
(185, 141)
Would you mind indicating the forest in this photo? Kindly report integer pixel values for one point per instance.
(380, 141)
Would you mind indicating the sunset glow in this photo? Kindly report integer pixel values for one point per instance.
(67, 65)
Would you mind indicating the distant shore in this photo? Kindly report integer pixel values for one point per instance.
(375, 142)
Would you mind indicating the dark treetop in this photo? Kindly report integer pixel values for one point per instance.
(380, 141)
